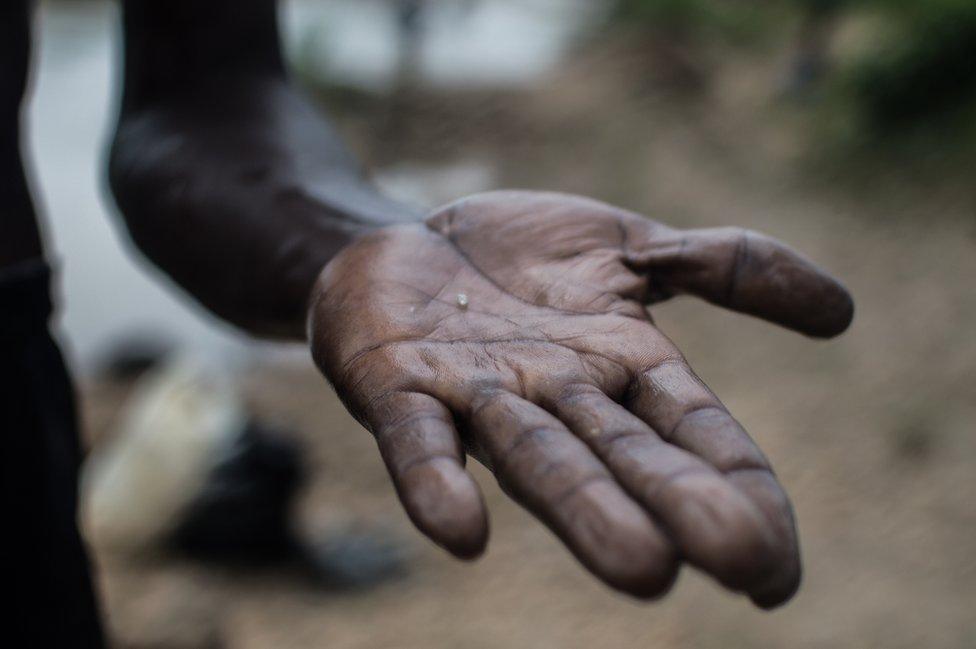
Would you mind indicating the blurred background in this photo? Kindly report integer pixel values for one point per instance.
(845, 127)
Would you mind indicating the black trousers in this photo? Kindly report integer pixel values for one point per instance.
(50, 599)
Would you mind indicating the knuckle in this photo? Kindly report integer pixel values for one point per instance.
(486, 400)
(528, 438)
(735, 235)
(574, 393)
(698, 415)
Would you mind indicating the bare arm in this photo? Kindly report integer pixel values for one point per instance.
(226, 176)
(510, 327)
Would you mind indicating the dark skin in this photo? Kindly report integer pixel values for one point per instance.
(510, 326)
(550, 371)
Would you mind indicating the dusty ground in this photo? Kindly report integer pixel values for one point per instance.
(873, 433)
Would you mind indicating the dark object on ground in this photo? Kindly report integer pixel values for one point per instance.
(242, 514)
(134, 355)
(243, 518)
(354, 559)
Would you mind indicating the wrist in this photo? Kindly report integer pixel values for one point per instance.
(349, 264)
(244, 213)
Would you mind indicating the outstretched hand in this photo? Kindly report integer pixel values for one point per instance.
(512, 326)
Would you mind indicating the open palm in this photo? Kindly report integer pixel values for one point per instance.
(512, 326)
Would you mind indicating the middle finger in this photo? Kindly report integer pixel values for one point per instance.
(556, 477)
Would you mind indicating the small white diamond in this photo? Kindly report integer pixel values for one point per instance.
(462, 300)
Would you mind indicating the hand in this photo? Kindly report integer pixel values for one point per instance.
(512, 326)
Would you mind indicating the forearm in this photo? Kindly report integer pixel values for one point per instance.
(227, 177)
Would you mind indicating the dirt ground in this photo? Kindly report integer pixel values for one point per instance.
(873, 433)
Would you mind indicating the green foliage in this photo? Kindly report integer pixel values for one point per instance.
(919, 70)
(924, 71)
(741, 20)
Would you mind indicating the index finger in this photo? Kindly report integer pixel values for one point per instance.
(420, 446)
